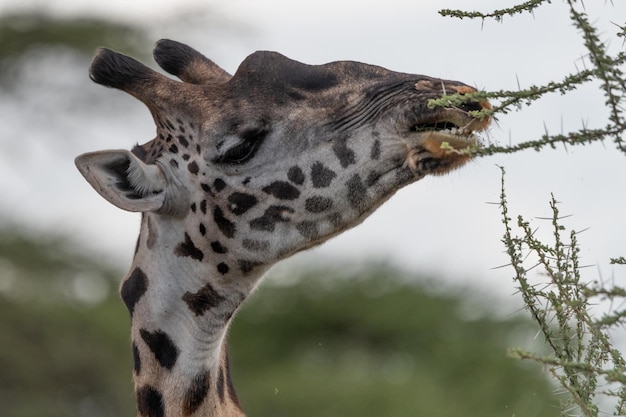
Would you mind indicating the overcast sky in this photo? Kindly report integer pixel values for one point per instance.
(442, 224)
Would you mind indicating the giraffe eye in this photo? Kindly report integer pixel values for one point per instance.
(240, 153)
(251, 140)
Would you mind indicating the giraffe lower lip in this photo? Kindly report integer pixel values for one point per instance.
(446, 145)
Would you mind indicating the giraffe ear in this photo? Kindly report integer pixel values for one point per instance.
(123, 179)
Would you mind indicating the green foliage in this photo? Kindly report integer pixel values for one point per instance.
(583, 358)
(621, 260)
(605, 70)
(498, 15)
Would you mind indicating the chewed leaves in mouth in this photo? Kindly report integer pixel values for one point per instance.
(451, 135)
(448, 138)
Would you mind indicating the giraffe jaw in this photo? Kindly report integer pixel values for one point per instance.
(449, 138)
(444, 143)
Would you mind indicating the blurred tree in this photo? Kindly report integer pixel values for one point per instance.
(63, 336)
(369, 344)
(22, 31)
(330, 343)
(24, 34)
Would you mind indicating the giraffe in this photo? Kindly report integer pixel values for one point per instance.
(244, 171)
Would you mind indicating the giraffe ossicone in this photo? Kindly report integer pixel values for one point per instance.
(244, 171)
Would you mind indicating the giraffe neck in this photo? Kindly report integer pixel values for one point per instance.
(208, 392)
(179, 321)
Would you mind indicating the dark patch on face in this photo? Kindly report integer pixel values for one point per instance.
(345, 155)
(295, 96)
(182, 140)
(193, 167)
(296, 175)
(226, 226)
(136, 359)
(308, 229)
(317, 204)
(203, 206)
(405, 175)
(247, 266)
(218, 248)
(219, 184)
(150, 402)
(193, 207)
(202, 229)
(133, 288)
(357, 193)
(273, 215)
(282, 190)
(152, 235)
(321, 176)
(335, 219)
(204, 299)
(246, 181)
(372, 178)
(241, 202)
(163, 348)
(154, 152)
(277, 77)
(375, 153)
(197, 392)
(256, 245)
(186, 157)
(173, 148)
(174, 163)
(187, 248)
(206, 188)
(222, 268)
(429, 164)
(220, 384)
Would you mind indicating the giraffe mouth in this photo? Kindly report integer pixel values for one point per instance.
(453, 130)
(446, 140)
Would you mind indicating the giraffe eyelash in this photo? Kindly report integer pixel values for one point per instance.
(239, 153)
(239, 149)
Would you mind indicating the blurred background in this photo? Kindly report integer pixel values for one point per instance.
(410, 317)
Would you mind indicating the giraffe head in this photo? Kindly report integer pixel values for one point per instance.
(280, 156)
(244, 171)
